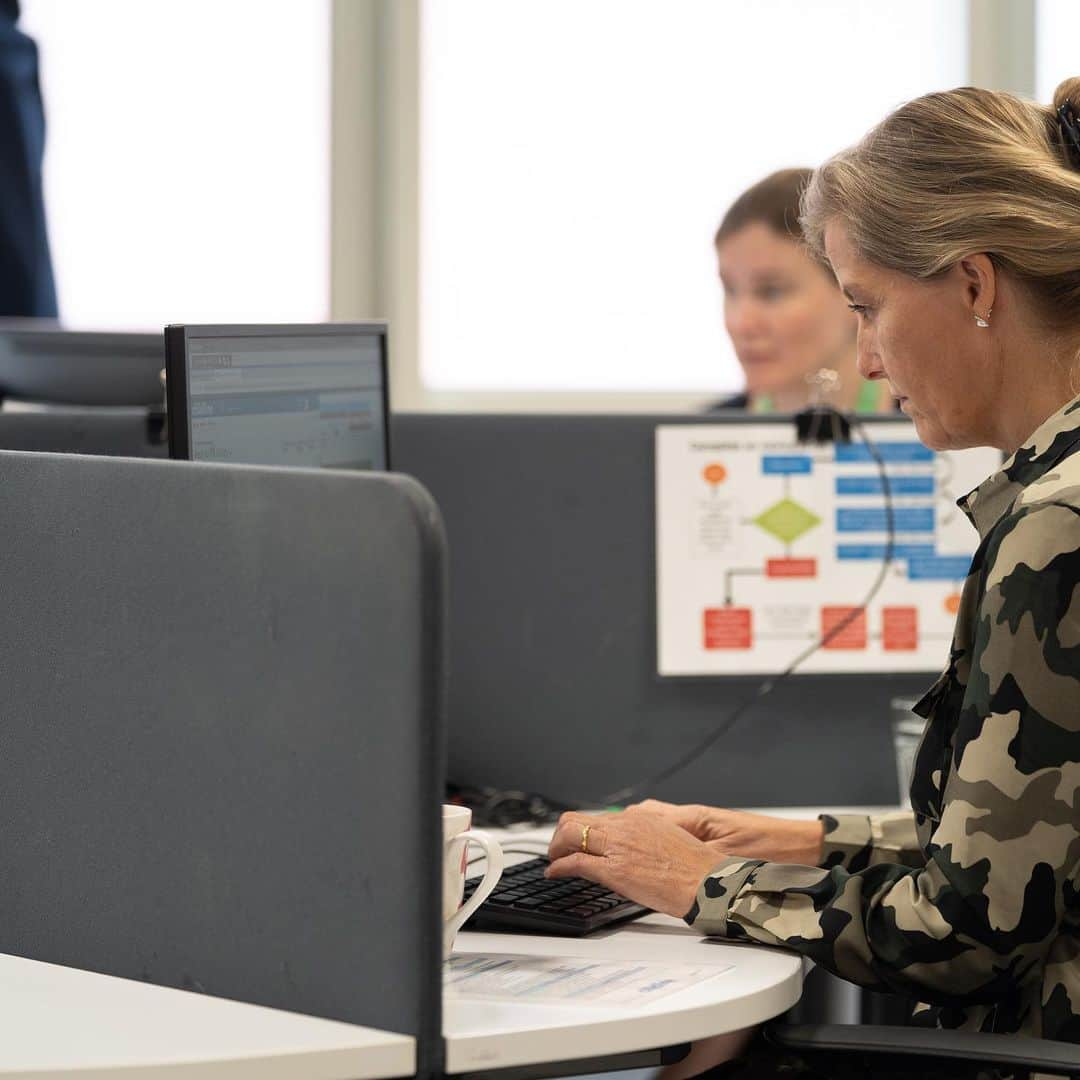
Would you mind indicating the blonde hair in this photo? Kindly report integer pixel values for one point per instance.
(956, 173)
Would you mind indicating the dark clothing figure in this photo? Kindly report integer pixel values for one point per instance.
(26, 278)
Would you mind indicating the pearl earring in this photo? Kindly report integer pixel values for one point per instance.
(980, 321)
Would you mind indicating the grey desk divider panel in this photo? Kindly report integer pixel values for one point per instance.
(552, 642)
(221, 751)
(116, 432)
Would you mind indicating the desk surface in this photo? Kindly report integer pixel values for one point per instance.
(59, 1022)
(493, 1034)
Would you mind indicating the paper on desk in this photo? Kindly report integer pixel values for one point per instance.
(562, 979)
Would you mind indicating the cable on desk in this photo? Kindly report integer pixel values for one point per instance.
(493, 808)
(838, 422)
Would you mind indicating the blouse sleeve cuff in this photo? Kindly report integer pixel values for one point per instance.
(848, 841)
(717, 893)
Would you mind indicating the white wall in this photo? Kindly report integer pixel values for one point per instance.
(1057, 47)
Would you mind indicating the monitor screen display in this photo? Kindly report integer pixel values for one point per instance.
(297, 396)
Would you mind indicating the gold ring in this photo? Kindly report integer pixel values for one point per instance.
(585, 839)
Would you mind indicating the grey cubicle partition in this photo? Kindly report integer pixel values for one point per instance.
(553, 684)
(92, 392)
(116, 432)
(222, 746)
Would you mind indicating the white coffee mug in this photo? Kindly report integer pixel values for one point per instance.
(456, 838)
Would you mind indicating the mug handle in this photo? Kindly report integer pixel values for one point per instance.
(491, 877)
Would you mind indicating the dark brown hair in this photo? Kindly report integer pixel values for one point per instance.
(773, 201)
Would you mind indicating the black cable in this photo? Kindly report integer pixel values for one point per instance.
(493, 808)
(628, 794)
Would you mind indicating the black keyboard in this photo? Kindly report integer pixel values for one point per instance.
(525, 900)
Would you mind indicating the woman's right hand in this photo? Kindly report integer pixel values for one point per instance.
(736, 832)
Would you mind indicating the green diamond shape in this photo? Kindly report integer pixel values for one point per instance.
(787, 520)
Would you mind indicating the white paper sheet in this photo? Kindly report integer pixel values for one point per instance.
(568, 979)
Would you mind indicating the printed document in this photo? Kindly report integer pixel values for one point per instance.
(569, 979)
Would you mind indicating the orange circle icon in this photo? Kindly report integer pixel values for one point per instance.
(715, 473)
(952, 603)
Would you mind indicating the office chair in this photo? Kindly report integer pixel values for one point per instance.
(873, 1048)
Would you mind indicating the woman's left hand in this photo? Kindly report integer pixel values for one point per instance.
(639, 855)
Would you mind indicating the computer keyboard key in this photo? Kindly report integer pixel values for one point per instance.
(527, 901)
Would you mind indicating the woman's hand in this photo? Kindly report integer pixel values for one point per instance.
(642, 856)
(735, 832)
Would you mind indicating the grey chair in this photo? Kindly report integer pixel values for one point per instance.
(853, 1050)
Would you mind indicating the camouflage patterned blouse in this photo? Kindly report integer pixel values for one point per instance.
(970, 904)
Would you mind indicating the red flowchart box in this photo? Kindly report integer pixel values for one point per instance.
(791, 568)
(853, 636)
(728, 628)
(900, 629)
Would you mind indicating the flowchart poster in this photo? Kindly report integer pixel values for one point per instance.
(765, 546)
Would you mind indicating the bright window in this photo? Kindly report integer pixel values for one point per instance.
(1056, 54)
(577, 157)
(187, 158)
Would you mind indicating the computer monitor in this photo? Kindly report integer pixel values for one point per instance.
(313, 396)
(42, 361)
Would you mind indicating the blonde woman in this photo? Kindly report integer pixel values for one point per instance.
(953, 229)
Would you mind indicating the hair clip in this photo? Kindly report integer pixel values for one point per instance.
(1070, 131)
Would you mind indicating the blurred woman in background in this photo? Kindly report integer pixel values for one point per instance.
(782, 308)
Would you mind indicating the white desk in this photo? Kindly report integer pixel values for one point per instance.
(495, 1034)
(484, 1035)
(59, 1022)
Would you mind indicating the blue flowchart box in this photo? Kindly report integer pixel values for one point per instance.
(872, 519)
(786, 464)
(877, 551)
(872, 485)
(939, 568)
(859, 453)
